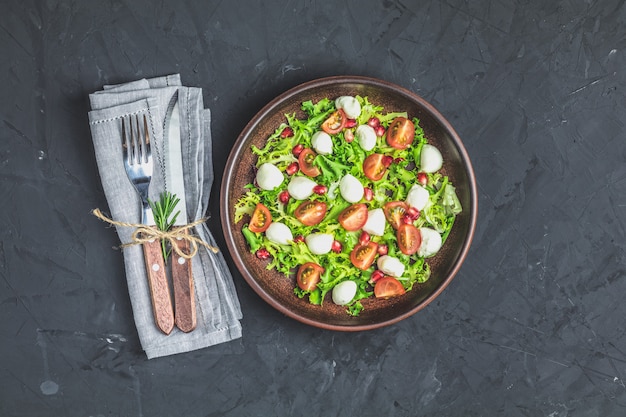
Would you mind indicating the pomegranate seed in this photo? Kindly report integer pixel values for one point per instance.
(287, 132)
(348, 135)
(413, 213)
(298, 239)
(422, 178)
(380, 131)
(297, 150)
(364, 238)
(387, 160)
(383, 250)
(373, 122)
(292, 168)
(262, 254)
(336, 246)
(284, 197)
(376, 275)
(398, 160)
(350, 123)
(320, 189)
(368, 194)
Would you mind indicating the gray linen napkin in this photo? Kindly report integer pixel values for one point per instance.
(218, 307)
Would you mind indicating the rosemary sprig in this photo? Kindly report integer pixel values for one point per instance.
(162, 211)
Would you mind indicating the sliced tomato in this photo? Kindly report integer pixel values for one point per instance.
(387, 287)
(354, 217)
(400, 133)
(305, 160)
(261, 219)
(409, 238)
(311, 212)
(394, 212)
(374, 166)
(362, 256)
(309, 275)
(335, 122)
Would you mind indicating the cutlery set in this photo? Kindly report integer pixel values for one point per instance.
(155, 133)
(139, 166)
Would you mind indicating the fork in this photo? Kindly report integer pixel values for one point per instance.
(139, 166)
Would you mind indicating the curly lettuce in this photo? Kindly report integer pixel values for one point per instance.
(440, 212)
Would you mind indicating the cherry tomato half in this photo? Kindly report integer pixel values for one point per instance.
(394, 212)
(309, 275)
(261, 219)
(362, 256)
(387, 287)
(310, 212)
(305, 160)
(354, 217)
(409, 238)
(400, 133)
(335, 122)
(374, 166)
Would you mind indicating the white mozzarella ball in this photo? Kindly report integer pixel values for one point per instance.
(417, 197)
(344, 292)
(279, 233)
(376, 222)
(269, 177)
(431, 242)
(430, 159)
(351, 189)
(366, 136)
(322, 143)
(300, 187)
(390, 266)
(350, 105)
(319, 243)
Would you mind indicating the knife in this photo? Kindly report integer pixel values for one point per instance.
(182, 279)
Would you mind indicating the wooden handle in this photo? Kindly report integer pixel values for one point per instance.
(159, 288)
(184, 292)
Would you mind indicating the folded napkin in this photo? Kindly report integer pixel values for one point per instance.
(218, 309)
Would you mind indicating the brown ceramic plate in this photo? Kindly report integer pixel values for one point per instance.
(275, 288)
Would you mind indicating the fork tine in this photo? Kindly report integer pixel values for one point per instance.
(138, 156)
(128, 135)
(132, 152)
(124, 141)
(146, 142)
(137, 143)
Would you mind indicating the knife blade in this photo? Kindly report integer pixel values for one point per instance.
(182, 278)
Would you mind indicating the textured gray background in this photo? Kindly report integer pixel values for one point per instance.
(533, 325)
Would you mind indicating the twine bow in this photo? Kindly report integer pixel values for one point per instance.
(143, 234)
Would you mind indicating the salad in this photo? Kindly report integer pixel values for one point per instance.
(349, 200)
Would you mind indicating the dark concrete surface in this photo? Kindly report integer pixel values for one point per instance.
(533, 325)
